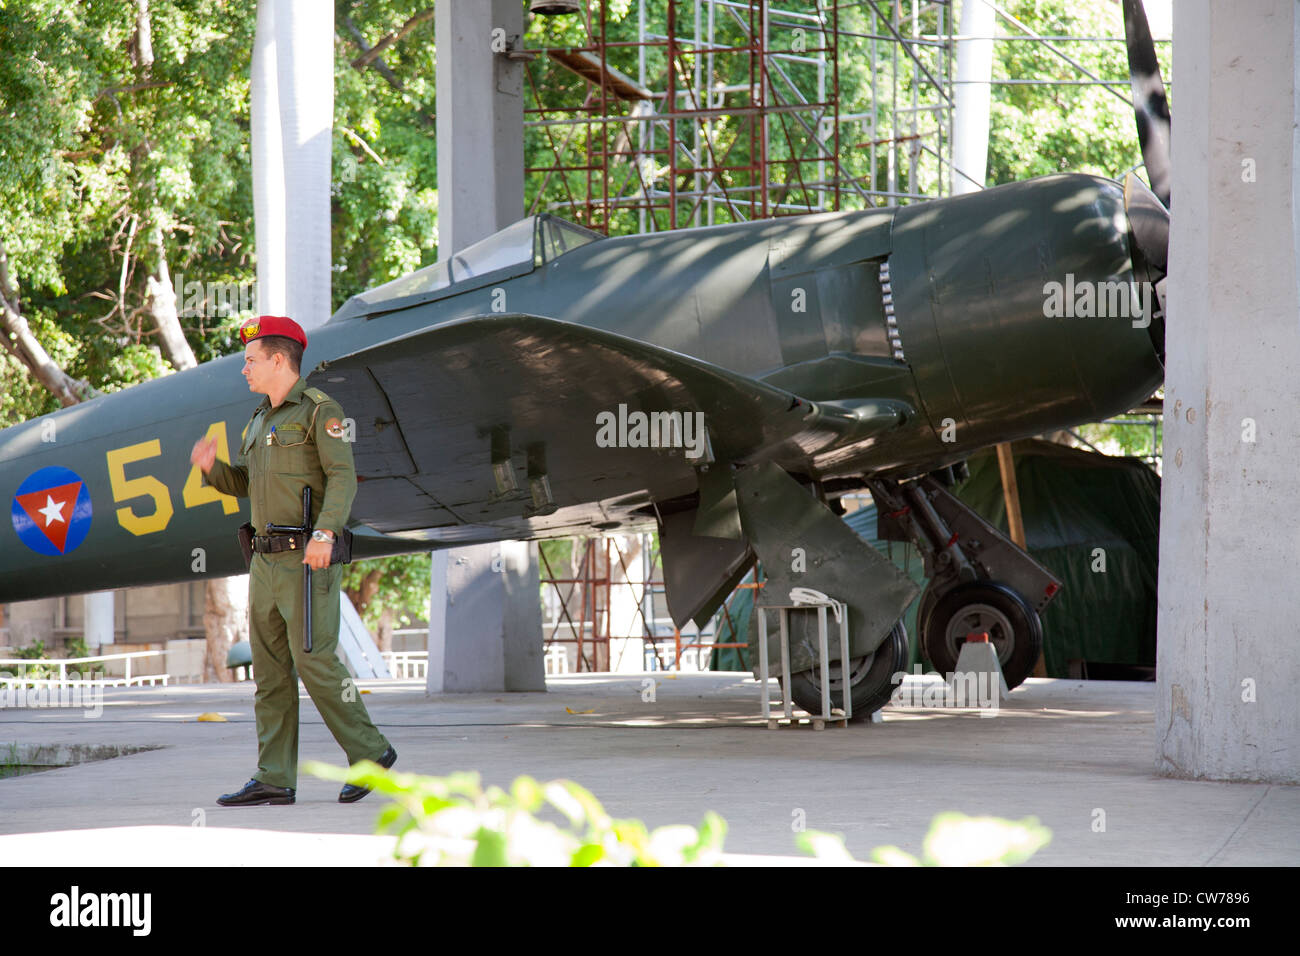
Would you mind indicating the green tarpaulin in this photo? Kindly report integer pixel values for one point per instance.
(1093, 521)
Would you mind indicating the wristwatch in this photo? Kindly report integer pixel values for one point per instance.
(322, 536)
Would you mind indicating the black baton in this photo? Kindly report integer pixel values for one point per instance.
(306, 568)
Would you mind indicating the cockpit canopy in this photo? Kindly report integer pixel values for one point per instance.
(515, 250)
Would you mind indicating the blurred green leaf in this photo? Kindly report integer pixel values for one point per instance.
(588, 854)
(491, 849)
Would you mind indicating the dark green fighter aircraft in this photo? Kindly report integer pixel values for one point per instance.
(724, 385)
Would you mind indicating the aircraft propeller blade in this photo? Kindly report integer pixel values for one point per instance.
(1150, 105)
(1148, 220)
(1148, 223)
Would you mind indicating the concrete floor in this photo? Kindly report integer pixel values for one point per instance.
(1063, 751)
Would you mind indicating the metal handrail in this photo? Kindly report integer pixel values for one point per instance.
(407, 665)
(62, 664)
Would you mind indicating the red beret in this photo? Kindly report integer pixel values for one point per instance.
(264, 325)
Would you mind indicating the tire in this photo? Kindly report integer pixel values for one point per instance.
(929, 597)
(871, 678)
(1013, 627)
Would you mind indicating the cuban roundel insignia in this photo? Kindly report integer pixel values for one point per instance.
(51, 511)
(334, 428)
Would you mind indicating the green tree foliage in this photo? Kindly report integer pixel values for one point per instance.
(456, 821)
(103, 146)
(115, 155)
(1142, 440)
(98, 148)
(1036, 130)
(385, 199)
(398, 585)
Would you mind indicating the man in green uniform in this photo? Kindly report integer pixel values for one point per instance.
(297, 436)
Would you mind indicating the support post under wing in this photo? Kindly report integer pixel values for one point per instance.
(699, 570)
(800, 542)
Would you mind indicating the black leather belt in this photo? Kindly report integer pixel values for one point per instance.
(265, 544)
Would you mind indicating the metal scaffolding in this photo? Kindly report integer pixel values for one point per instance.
(707, 111)
(607, 600)
(611, 600)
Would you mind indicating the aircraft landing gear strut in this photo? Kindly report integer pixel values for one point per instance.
(980, 581)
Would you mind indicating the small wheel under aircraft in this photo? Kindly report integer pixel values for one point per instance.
(870, 677)
(1012, 625)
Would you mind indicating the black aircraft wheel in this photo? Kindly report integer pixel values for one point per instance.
(929, 597)
(871, 678)
(1012, 625)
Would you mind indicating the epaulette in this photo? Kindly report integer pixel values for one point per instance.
(316, 395)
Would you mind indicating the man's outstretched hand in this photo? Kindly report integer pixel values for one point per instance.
(204, 454)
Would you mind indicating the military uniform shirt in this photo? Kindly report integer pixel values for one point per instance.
(302, 442)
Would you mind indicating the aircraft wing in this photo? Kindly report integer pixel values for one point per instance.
(490, 420)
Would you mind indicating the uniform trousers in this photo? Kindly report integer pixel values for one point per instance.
(275, 634)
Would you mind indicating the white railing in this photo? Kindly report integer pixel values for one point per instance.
(692, 659)
(63, 680)
(407, 665)
(556, 660)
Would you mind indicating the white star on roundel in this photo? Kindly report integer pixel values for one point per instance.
(53, 512)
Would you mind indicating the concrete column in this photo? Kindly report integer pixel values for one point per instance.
(971, 97)
(1228, 664)
(292, 141)
(485, 623)
(480, 120)
(98, 609)
(488, 634)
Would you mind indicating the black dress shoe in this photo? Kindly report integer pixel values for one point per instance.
(351, 793)
(257, 794)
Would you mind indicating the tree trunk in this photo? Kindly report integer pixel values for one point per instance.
(19, 339)
(225, 619)
(385, 630)
(162, 309)
(362, 596)
(142, 42)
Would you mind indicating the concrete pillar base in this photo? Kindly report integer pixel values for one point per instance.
(486, 620)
